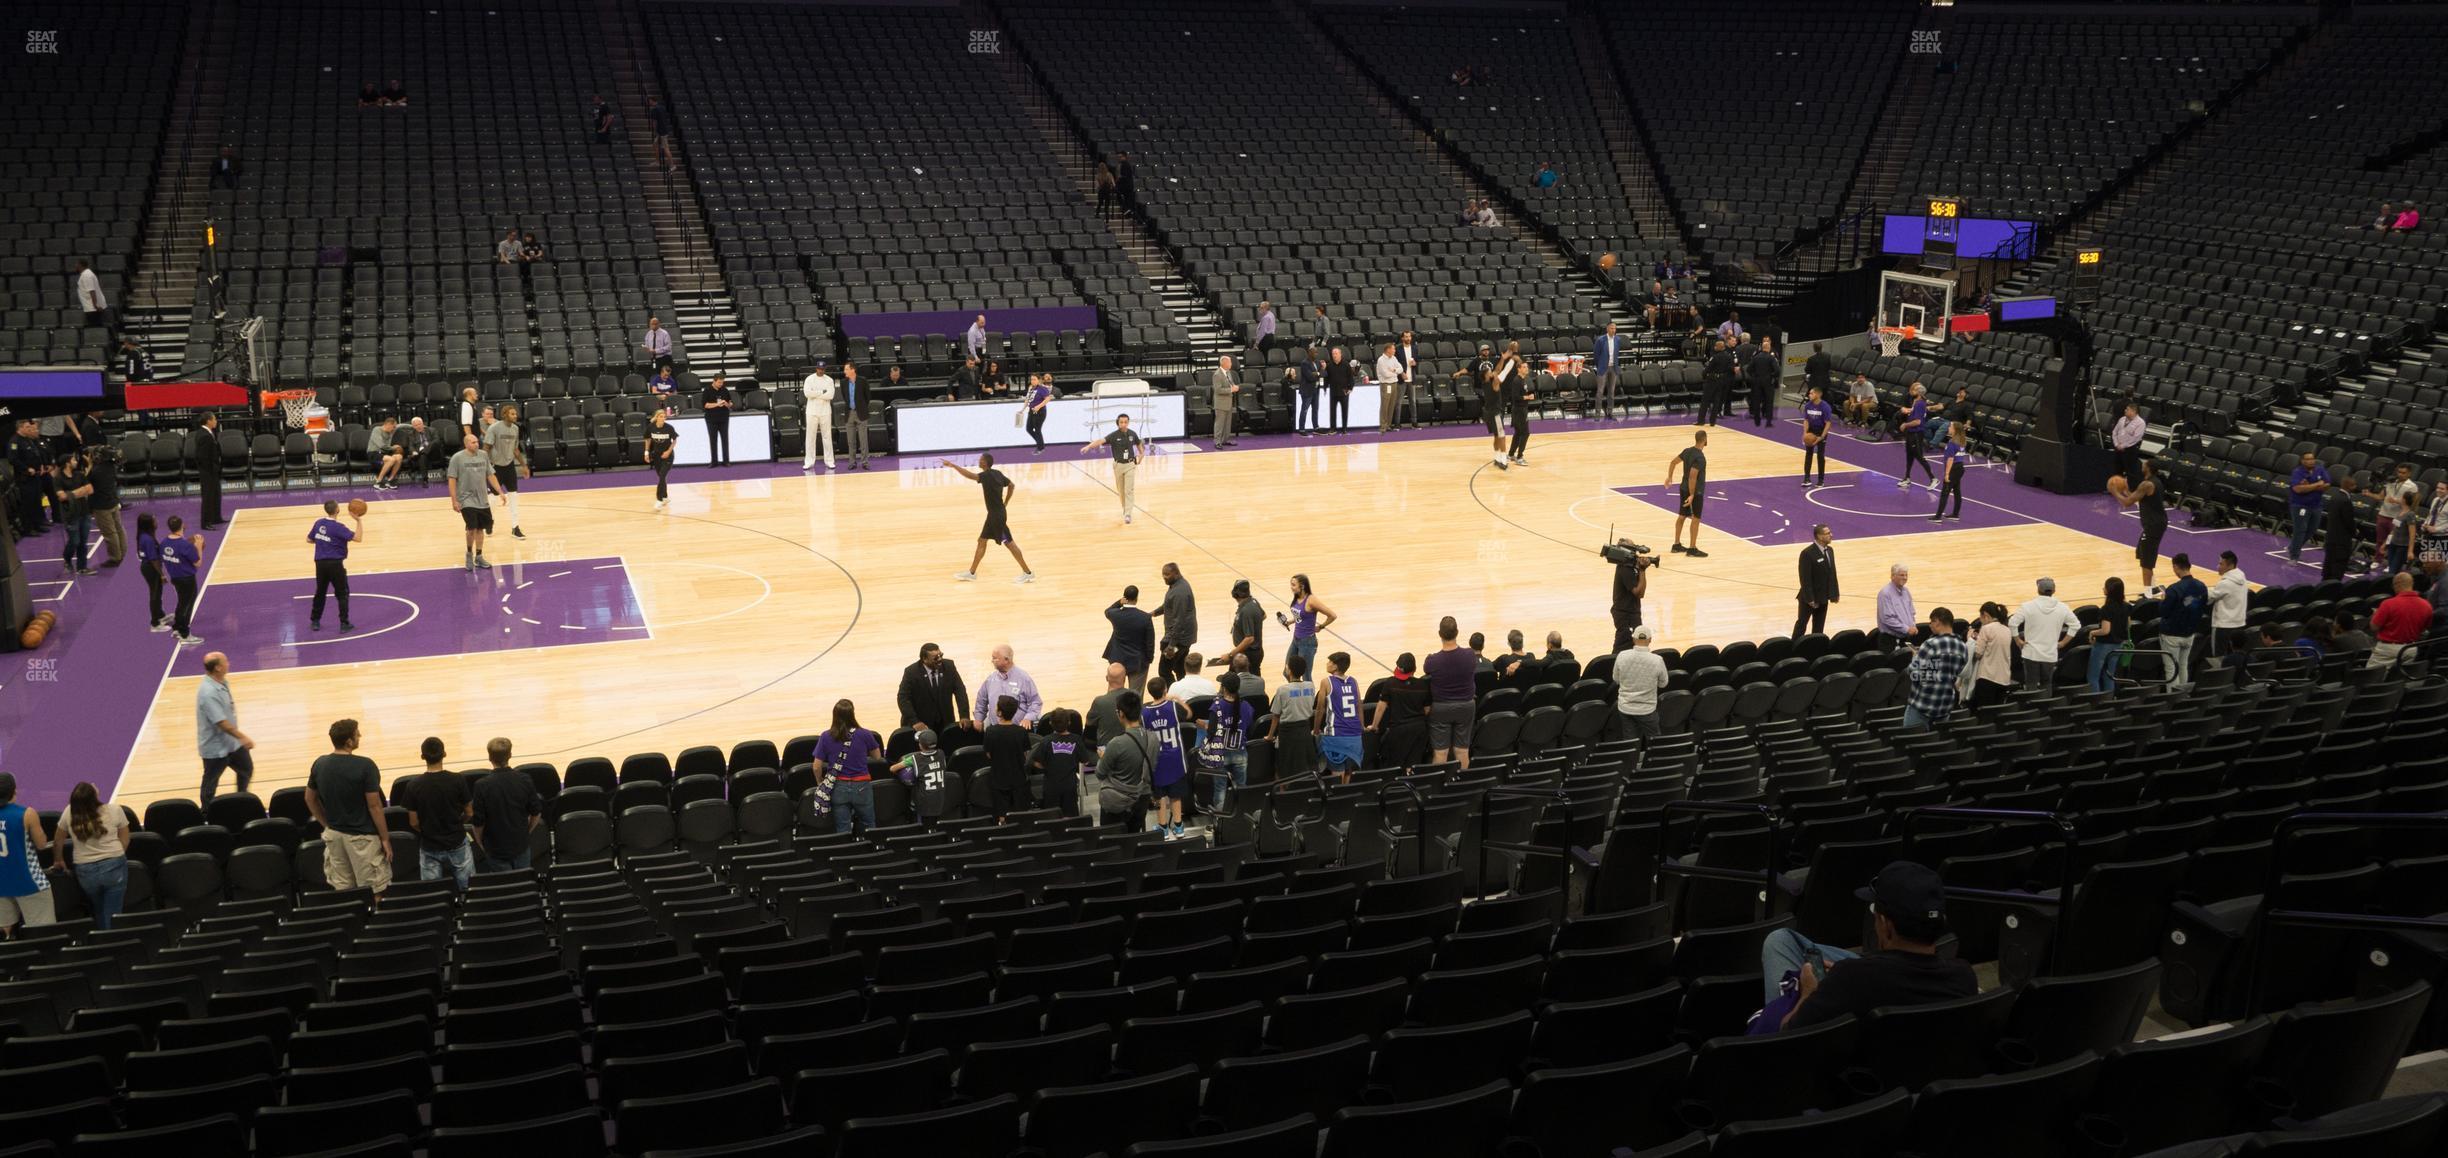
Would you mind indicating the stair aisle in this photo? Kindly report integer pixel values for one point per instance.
(160, 310)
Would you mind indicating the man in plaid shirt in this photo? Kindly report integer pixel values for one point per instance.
(1935, 666)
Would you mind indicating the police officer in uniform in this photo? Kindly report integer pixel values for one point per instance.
(1761, 372)
(1716, 386)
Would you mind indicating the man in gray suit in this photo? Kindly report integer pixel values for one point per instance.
(1222, 389)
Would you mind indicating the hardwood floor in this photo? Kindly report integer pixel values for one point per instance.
(763, 601)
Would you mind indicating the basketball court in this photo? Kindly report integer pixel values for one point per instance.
(765, 594)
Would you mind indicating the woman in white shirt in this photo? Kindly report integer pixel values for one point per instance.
(1992, 657)
(97, 847)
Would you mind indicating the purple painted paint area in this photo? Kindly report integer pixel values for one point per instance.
(1854, 504)
(954, 322)
(71, 709)
(2262, 554)
(414, 614)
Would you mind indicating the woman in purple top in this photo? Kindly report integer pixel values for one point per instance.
(1950, 473)
(149, 563)
(1041, 393)
(182, 555)
(847, 752)
(1307, 618)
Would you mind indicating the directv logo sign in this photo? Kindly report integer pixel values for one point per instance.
(1925, 42)
(42, 43)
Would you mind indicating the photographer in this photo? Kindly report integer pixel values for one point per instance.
(1632, 562)
(103, 473)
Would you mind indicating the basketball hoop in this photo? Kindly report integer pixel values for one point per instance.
(1891, 339)
(293, 405)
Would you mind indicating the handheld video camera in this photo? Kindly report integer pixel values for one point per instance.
(1625, 551)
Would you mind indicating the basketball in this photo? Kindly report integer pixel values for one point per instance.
(31, 637)
(2116, 485)
(357, 508)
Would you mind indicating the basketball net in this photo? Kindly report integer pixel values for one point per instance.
(1891, 340)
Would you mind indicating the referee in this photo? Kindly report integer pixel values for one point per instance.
(1124, 443)
(331, 547)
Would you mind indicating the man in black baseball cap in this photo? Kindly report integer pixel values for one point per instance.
(1908, 916)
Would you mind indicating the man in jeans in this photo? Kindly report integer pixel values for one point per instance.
(1639, 676)
(218, 740)
(2304, 489)
(439, 809)
(1936, 663)
(2181, 613)
(507, 808)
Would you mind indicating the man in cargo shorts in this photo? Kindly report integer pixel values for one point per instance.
(344, 792)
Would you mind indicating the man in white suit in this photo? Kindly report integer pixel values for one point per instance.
(818, 389)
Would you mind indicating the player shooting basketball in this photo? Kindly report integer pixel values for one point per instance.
(331, 547)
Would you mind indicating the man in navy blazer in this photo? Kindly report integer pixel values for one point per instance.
(1605, 357)
(1133, 642)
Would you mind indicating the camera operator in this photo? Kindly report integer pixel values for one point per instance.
(1632, 562)
(102, 471)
